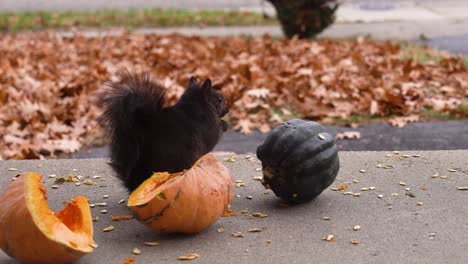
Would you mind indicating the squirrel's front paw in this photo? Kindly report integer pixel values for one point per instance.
(224, 124)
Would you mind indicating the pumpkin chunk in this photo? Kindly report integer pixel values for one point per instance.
(185, 202)
(31, 233)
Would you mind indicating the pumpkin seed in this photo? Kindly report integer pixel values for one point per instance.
(329, 238)
(240, 184)
(93, 245)
(75, 170)
(96, 219)
(396, 152)
(249, 197)
(419, 203)
(105, 196)
(435, 175)
(12, 169)
(348, 193)
(356, 181)
(269, 241)
(189, 257)
(136, 251)
(92, 205)
(356, 227)
(362, 171)
(220, 230)
(258, 169)
(372, 188)
(71, 179)
(152, 244)
(406, 156)
(334, 189)
(77, 183)
(416, 155)
(452, 170)
(88, 182)
(103, 211)
(326, 218)
(254, 230)
(54, 186)
(108, 229)
(402, 183)
(356, 194)
(248, 156)
(231, 159)
(51, 175)
(96, 177)
(407, 189)
(322, 137)
(259, 215)
(365, 189)
(463, 188)
(380, 195)
(121, 201)
(394, 194)
(101, 204)
(238, 234)
(258, 178)
(443, 177)
(355, 241)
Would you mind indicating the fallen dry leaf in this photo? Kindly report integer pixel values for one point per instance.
(49, 84)
(191, 256)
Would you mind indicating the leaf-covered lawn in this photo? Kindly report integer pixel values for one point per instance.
(49, 84)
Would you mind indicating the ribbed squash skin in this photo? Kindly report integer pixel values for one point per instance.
(299, 160)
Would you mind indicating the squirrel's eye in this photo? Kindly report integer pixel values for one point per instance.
(220, 99)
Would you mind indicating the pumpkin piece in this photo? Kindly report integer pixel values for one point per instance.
(184, 202)
(299, 160)
(31, 233)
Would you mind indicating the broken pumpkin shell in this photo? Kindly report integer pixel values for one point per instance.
(184, 202)
(31, 233)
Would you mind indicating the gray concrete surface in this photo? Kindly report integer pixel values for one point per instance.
(435, 232)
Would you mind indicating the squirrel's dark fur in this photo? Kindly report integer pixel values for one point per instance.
(147, 137)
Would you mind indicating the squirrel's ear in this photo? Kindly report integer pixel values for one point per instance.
(206, 85)
(193, 83)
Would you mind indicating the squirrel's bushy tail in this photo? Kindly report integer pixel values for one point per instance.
(129, 104)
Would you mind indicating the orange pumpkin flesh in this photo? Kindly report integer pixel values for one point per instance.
(184, 202)
(32, 233)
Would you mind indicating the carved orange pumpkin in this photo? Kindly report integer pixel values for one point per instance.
(31, 233)
(185, 202)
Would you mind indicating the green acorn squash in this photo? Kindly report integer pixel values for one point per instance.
(299, 160)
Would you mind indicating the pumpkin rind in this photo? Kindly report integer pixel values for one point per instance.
(299, 160)
(31, 233)
(186, 202)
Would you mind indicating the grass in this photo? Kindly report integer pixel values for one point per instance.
(129, 18)
(421, 54)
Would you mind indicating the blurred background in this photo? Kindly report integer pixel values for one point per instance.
(379, 75)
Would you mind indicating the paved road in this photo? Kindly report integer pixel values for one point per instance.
(375, 137)
(436, 232)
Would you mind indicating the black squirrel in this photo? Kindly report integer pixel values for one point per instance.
(147, 137)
